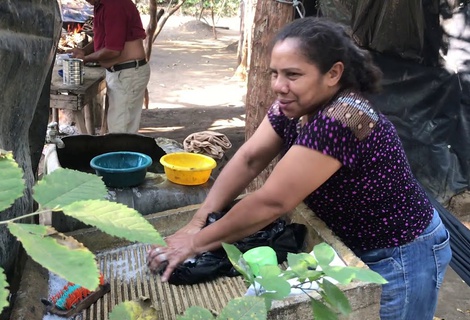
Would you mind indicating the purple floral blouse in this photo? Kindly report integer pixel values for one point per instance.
(373, 201)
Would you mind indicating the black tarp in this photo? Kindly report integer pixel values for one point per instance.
(429, 107)
(423, 49)
(410, 29)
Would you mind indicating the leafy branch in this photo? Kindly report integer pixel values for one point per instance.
(78, 195)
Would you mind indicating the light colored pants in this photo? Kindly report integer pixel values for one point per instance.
(125, 90)
(414, 272)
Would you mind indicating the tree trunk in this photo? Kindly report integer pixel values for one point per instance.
(26, 56)
(151, 27)
(247, 11)
(155, 26)
(272, 16)
(150, 31)
(213, 20)
(241, 40)
(168, 13)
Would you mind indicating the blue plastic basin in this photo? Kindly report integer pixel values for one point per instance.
(121, 169)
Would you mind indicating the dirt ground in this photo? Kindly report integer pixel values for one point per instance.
(191, 89)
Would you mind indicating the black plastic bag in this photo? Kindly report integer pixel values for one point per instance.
(282, 237)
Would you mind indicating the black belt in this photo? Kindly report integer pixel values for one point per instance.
(127, 65)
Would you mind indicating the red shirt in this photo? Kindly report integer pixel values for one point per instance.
(116, 22)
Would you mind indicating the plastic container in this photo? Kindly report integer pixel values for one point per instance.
(121, 169)
(187, 168)
(260, 256)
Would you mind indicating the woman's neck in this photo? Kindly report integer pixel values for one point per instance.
(330, 97)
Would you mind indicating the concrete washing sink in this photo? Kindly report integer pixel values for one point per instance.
(123, 265)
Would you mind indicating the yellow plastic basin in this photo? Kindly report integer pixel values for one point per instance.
(187, 168)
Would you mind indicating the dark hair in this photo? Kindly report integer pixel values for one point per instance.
(324, 42)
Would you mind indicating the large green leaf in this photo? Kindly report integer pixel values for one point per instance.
(269, 271)
(64, 186)
(244, 308)
(313, 275)
(289, 274)
(196, 313)
(301, 262)
(236, 258)
(115, 219)
(233, 253)
(322, 312)
(58, 253)
(368, 275)
(11, 181)
(336, 297)
(140, 309)
(277, 287)
(324, 254)
(3, 291)
(271, 281)
(343, 275)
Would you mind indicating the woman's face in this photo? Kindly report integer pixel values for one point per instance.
(299, 85)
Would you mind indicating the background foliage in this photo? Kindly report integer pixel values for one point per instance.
(222, 8)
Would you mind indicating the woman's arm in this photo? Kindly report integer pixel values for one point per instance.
(247, 163)
(300, 172)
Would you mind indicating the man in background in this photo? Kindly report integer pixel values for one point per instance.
(118, 46)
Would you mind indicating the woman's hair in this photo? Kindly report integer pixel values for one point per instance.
(324, 42)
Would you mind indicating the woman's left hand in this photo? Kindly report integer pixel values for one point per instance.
(179, 248)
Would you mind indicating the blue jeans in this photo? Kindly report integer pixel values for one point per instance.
(414, 272)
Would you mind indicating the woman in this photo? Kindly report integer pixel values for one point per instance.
(342, 158)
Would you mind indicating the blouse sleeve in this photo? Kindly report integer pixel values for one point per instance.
(278, 120)
(331, 137)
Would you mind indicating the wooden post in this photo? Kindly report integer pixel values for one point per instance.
(269, 18)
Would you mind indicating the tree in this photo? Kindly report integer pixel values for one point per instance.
(155, 26)
(247, 10)
(269, 17)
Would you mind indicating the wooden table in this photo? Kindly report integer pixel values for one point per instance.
(82, 99)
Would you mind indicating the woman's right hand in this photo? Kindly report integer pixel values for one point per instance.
(180, 246)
